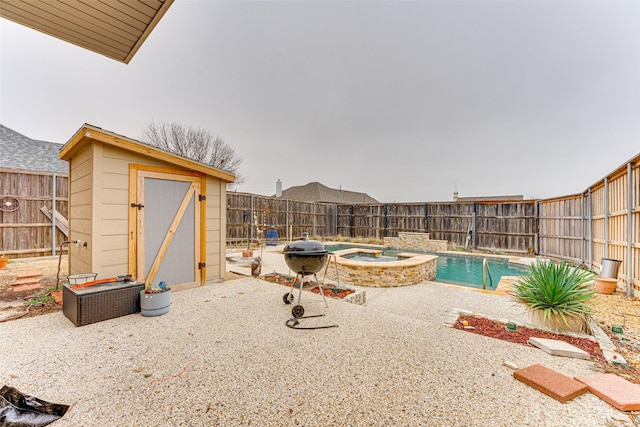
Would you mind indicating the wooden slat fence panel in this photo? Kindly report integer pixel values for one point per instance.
(450, 221)
(27, 232)
(598, 224)
(507, 226)
(635, 226)
(561, 228)
(406, 217)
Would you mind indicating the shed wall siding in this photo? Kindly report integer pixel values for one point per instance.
(215, 224)
(80, 210)
(112, 206)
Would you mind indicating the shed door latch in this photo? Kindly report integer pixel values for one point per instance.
(202, 265)
(202, 197)
(137, 205)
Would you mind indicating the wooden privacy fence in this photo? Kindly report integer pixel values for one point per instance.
(250, 217)
(25, 230)
(506, 226)
(602, 222)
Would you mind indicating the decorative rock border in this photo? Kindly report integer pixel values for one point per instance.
(598, 335)
(415, 241)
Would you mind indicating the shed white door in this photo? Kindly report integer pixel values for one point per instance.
(168, 232)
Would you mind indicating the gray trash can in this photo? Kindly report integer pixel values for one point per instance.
(610, 268)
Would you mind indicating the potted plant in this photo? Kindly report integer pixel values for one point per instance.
(155, 301)
(4, 260)
(556, 295)
(605, 285)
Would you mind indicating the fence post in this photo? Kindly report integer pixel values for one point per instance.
(590, 228)
(251, 223)
(351, 220)
(629, 229)
(385, 222)
(53, 215)
(606, 217)
(426, 217)
(314, 219)
(475, 225)
(582, 239)
(537, 248)
(286, 208)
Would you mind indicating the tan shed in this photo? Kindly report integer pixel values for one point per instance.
(139, 210)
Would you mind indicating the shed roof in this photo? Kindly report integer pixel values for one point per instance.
(88, 133)
(115, 29)
(317, 192)
(23, 153)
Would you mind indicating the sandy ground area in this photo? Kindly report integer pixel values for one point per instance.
(609, 310)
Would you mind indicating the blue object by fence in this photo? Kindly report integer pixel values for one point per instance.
(272, 236)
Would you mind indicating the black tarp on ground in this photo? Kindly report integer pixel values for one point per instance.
(19, 410)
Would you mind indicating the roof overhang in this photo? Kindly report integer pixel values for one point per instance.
(88, 133)
(115, 29)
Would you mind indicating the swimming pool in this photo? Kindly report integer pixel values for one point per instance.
(464, 270)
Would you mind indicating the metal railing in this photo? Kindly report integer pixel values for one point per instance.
(486, 271)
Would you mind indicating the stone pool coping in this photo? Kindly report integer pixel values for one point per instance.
(410, 259)
(411, 269)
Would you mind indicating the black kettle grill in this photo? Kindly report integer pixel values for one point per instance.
(305, 257)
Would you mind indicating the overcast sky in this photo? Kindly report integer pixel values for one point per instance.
(401, 100)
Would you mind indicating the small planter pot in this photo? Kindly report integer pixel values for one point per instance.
(605, 285)
(155, 304)
(3, 262)
(57, 296)
(555, 322)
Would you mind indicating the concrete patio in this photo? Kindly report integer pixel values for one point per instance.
(223, 356)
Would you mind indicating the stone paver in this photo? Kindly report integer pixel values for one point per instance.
(26, 281)
(617, 391)
(550, 382)
(24, 288)
(28, 274)
(558, 348)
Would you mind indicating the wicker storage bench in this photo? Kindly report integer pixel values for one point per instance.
(100, 302)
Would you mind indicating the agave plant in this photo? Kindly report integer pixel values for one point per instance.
(556, 290)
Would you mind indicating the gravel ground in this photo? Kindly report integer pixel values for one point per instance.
(223, 356)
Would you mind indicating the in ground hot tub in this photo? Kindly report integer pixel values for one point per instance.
(368, 267)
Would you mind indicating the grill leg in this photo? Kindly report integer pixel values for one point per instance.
(321, 286)
(301, 285)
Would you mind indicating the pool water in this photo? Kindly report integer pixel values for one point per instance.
(467, 270)
(359, 256)
(464, 270)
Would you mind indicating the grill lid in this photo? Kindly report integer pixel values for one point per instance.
(304, 247)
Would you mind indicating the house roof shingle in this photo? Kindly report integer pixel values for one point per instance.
(317, 192)
(23, 153)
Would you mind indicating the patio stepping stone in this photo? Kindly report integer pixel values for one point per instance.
(28, 274)
(26, 281)
(558, 348)
(618, 392)
(30, 287)
(550, 382)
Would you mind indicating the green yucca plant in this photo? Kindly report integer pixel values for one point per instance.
(555, 290)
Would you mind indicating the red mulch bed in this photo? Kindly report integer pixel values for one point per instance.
(280, 279)
(288, 280)
(494, 329)
(333, 292)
